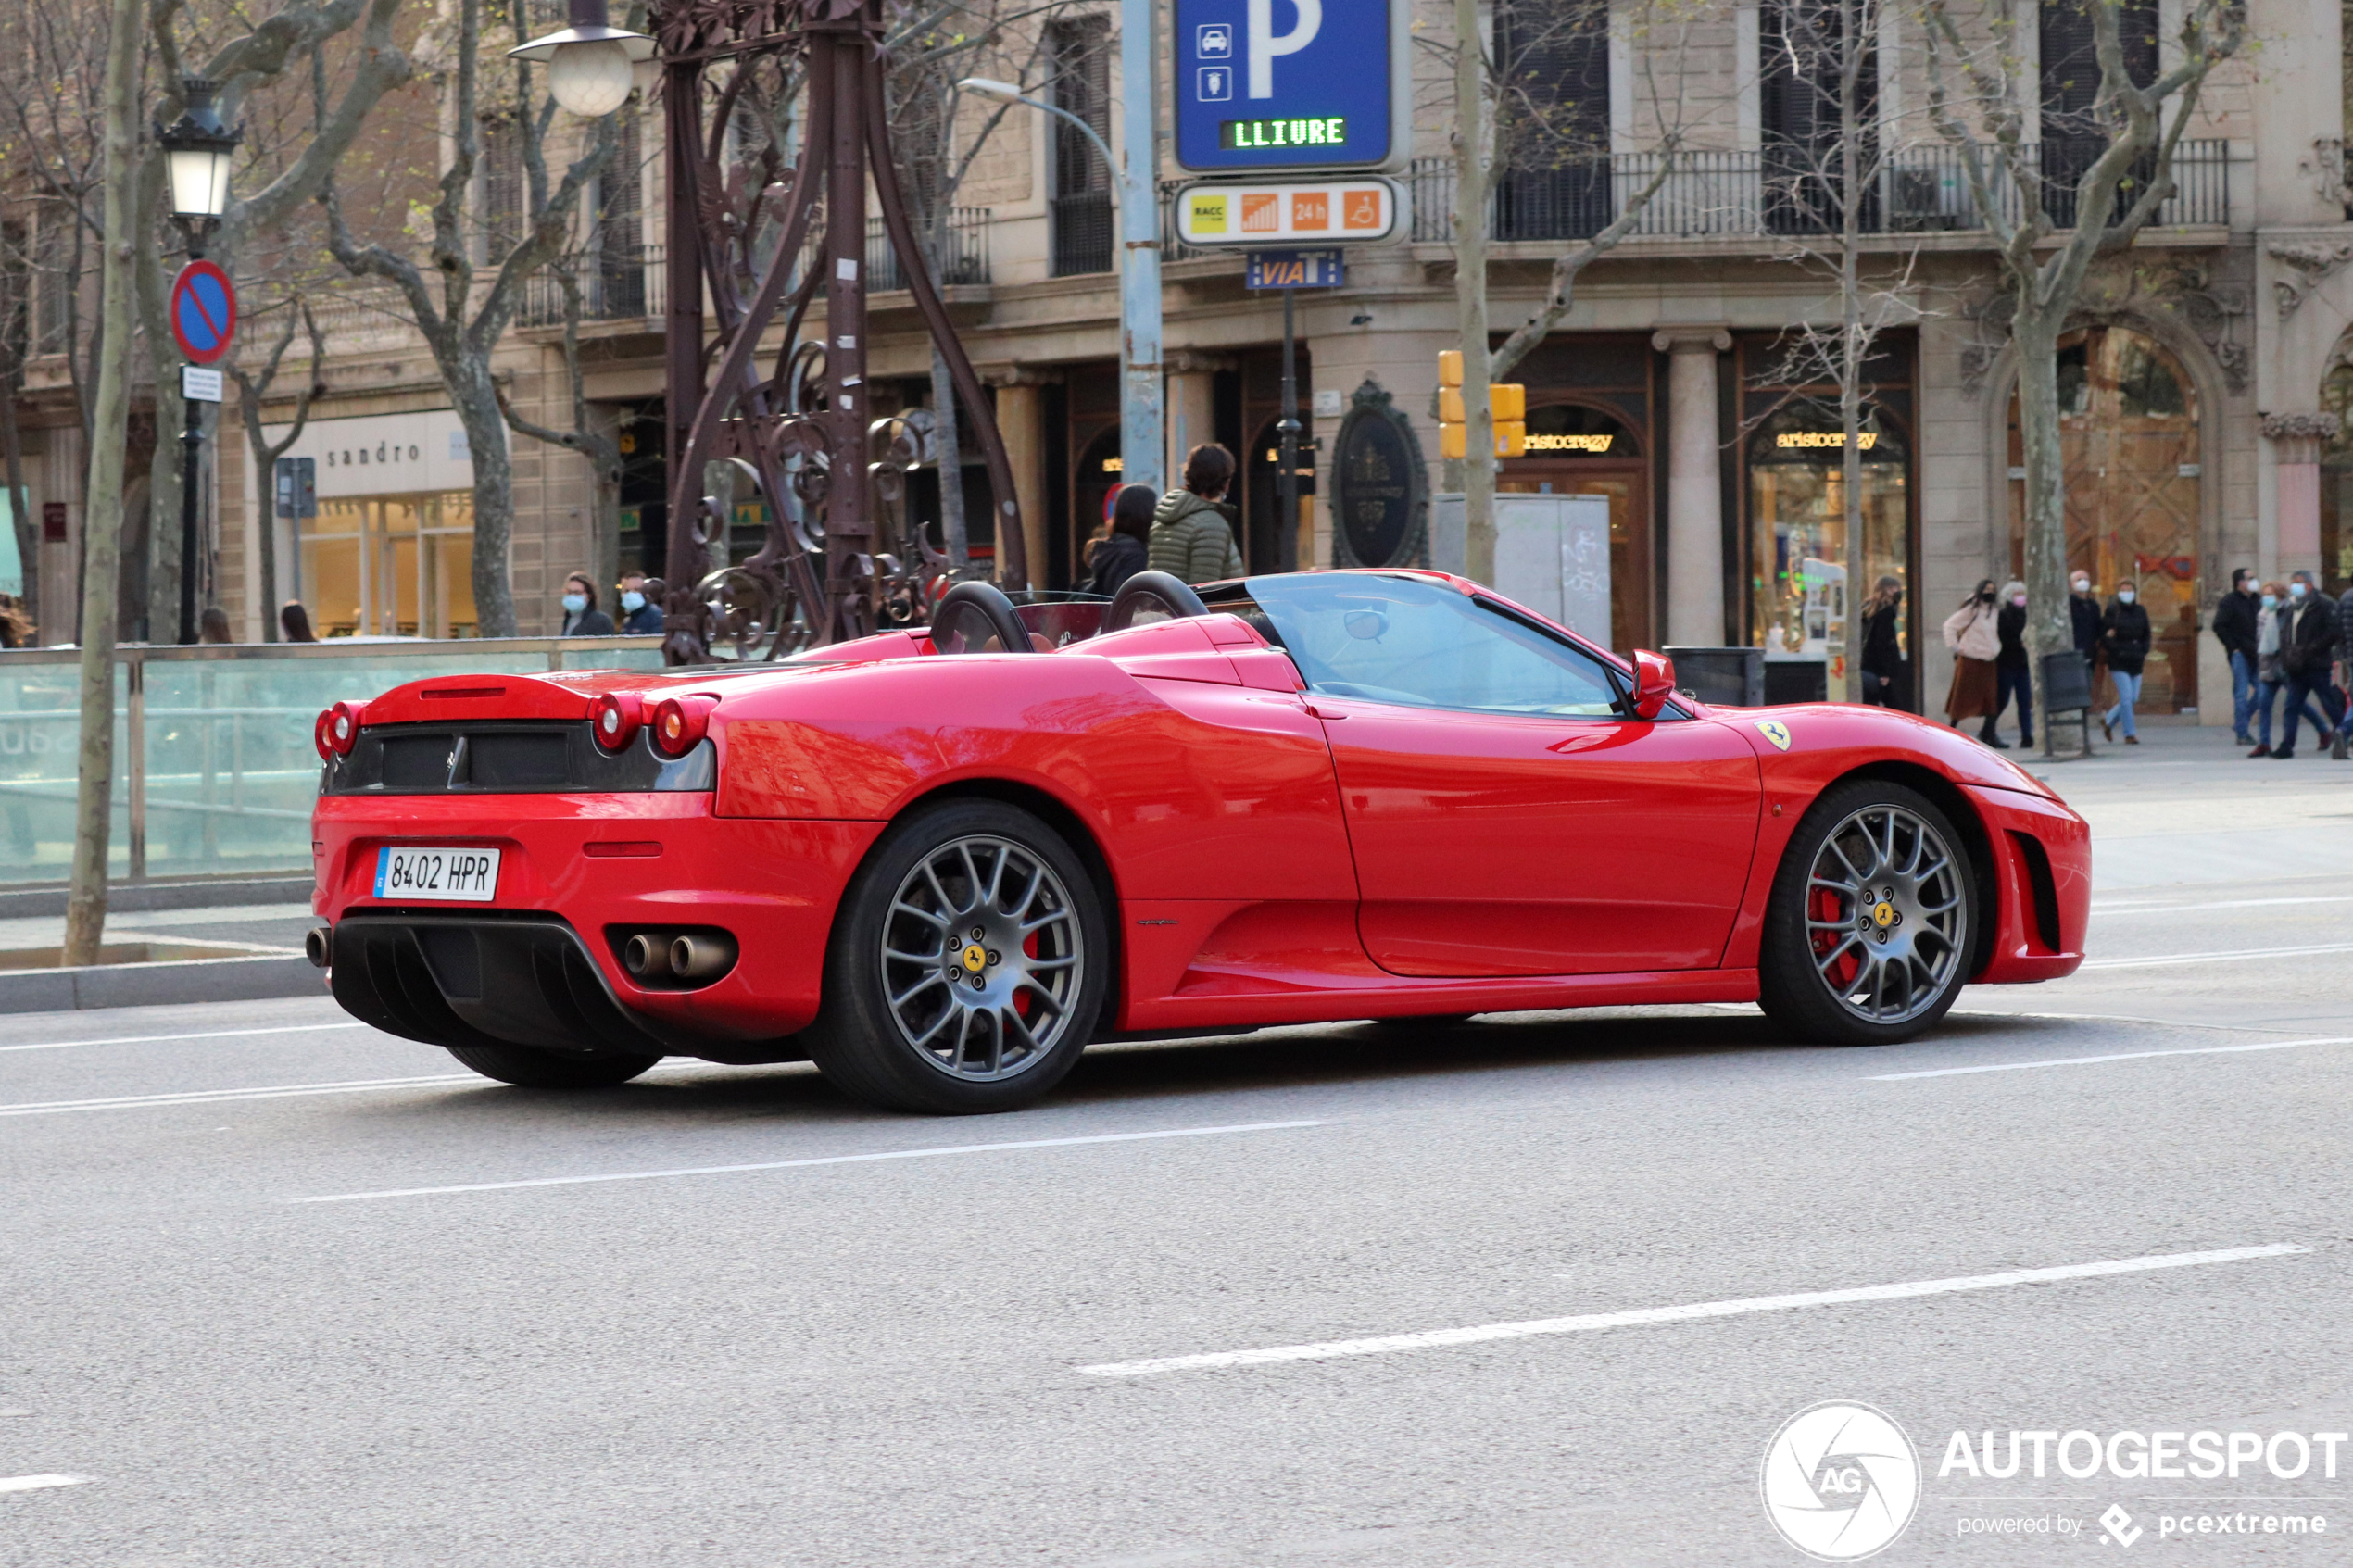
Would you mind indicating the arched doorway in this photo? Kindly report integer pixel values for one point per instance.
(1264, 541)
(2129, 454)
(1575, 449)
(2336, 477)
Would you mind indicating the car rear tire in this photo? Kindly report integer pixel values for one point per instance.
(532, 1069)
(1872, 918)
(967, 966)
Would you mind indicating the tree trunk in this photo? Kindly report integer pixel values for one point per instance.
(1853, 347)
(956, 539)
(2049, 624)
(164, 471)
(265, 538)
(102, 502)
(1473, 157)
(477, 404)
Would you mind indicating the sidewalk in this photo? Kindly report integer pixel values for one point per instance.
(226, 953)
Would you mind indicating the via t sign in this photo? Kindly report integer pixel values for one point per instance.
(1266, 85)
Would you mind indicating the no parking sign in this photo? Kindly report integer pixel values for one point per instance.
(204, 312)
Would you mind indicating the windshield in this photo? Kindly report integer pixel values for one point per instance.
(1420, 645)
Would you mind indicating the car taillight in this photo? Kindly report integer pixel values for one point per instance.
(679, 722)
(337, 730)
(615, 717)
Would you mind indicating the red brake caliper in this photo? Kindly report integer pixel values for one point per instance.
(1822, 904)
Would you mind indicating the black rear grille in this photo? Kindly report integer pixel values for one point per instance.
(518, 757)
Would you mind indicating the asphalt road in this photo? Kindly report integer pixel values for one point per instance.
(830, 1357)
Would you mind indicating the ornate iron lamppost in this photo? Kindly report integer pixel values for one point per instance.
(197, 150)
(790, 410)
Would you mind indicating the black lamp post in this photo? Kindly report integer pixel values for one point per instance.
(197, 150)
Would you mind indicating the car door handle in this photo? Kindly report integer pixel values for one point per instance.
(1315, 712)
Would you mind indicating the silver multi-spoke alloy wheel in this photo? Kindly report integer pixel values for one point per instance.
(1886, 914)
(983, 957)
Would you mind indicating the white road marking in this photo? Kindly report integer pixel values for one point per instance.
(34, 1483)
(2222, 904)
(1588, 1322)
(823, 1160)
(209, 1096)
(2218, 958)
(2117, 1056)
(207, 1034)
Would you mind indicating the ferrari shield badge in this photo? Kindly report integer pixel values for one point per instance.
(1775, 731)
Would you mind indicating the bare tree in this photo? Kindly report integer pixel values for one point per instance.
(102, 497)
(463, 313)
(253, 385)
(2134, 127)
(1510, 113)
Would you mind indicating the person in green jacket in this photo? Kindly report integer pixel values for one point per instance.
(1190, 536)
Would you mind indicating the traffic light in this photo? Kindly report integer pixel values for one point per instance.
(1506, 401)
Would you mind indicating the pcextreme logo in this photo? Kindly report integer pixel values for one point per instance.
(1840, 1480)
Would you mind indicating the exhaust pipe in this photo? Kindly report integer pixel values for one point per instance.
(319, 945)
(701, 958)
(644, 956)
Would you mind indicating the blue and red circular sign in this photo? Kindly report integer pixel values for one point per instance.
(204, 312)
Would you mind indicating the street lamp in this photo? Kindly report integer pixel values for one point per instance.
(1141, 436)
(591, 65)
(197, 152)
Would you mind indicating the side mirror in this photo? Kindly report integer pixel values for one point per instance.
(1653, 683)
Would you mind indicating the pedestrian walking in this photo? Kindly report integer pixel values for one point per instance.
(1885, 682)
(2345, 666)
(640, 616)
(2009, 669)
(2125, 642)
(1973, 634)
(582, 618)
(213, 626)
(2308, 651)
(2268, 677)
(1192, 538)
(2234, 616)
(294, 622)
(1123, 554)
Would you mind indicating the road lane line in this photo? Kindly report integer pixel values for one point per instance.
(2117, 1056)
(823, 1160)
(210, 1097)
(34, 1483)
(2218, 958)
(1386, 1344)
(2224, 904)
(207, 1034)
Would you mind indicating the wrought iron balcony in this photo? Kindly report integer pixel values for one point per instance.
(967, 252)
(1084, 229)
(618, 283)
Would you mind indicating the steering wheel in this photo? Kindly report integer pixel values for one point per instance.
(971, 615)
(1148, 591)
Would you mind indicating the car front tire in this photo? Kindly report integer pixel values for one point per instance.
(967, 966)
(1872, 918)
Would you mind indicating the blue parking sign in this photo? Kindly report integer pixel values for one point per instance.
(1265, 85)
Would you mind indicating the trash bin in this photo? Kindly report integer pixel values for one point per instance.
(1724, 677)
(1796, 679)
(2066, 681)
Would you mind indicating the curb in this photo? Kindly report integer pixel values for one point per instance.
(154, 984)
(141, 897)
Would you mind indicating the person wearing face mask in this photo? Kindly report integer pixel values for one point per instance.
(2124, 640)
(582, 618)
(2235, 628)
(1884, 666)
(2269, 677)
(640, 617)
(2009, 669)
(1972, 631)
(2307, 648)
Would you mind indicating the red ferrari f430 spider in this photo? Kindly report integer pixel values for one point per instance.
(940, 864)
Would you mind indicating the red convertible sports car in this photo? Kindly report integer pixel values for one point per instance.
(939, 864)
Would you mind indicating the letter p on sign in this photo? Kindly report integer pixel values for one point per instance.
(1265, 46)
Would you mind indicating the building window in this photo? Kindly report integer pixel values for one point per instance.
(391, 565)
(1803, 53)
(621, 203)
(2072, 140)
(1800, 597)
(1083, 227)
(1553, 111)
(503, 195)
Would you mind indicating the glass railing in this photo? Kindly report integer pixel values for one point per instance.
(214, 766)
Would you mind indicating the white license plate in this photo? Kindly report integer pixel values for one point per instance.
(466, 876)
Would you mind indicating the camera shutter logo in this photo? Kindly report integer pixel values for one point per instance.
(1840, 1481)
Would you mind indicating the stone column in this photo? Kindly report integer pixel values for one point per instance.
(1021, 420)
(1694, 486)
(1192, 408)
(2297, 440)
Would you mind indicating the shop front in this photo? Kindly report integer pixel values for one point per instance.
(390, 553)
(1800, 596)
